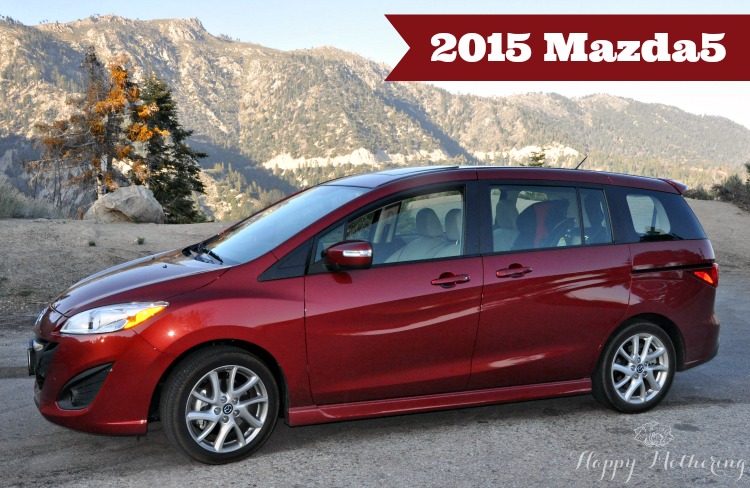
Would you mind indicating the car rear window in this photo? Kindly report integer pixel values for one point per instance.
(655, 216)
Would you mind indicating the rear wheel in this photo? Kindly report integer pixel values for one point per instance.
(636, 368)
(219, 405)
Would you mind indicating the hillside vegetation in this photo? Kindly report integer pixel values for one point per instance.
(288, 119)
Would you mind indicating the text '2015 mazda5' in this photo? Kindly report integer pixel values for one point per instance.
(402, 291)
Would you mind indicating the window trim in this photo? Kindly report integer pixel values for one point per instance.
(485, 212)
(471, 244)
(688, 225)
(608, 214)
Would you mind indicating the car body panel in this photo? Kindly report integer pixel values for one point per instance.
(121, 407)
(664, 285)
(546, 325)
(387, 332)
(169, 273)
(237, 308)
(381, 408)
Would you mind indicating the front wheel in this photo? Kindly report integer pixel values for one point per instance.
(636, 368)
(219, 405)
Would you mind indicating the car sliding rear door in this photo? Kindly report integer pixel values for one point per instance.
(555, 284)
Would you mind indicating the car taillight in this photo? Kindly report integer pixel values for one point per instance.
(710, 276)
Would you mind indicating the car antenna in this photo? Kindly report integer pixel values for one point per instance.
(579, 164)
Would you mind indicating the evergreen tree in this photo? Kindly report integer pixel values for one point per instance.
(122, 100)
(73, 148)
(171, 165)
(537, 159)
(80, 150)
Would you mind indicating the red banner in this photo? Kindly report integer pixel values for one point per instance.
(573, 47)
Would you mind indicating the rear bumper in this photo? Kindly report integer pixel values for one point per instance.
(704, 359)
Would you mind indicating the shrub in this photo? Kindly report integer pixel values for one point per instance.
(13, 204)
(699, 193)
(735, 191)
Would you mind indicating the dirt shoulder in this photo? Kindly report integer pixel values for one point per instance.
(728, 227)
(43, 257)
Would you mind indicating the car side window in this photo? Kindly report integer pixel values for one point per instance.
(596, 224)
(534, 217)
(417, 228)
(648, 215)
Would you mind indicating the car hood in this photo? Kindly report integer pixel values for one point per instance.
(152, 278)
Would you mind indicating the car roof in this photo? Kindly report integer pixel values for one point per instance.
(381, 178)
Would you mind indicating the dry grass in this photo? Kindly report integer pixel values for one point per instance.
(15, 205)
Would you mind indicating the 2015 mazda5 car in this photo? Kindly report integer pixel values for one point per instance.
(402, 291)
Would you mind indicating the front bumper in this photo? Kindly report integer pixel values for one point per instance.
(100, 383)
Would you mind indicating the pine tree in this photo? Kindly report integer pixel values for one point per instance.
(73, 148)
(80, 150)
(122, 100)
(171, 165)
(537, 159)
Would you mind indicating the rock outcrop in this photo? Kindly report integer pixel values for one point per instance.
(128, 204)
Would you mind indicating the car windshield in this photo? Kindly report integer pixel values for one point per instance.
(267, 229)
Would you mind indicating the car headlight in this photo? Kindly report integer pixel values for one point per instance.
(112, 318)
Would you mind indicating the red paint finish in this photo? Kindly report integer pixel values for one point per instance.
(121, 407)
(428, 403)
(664, 285)
(236, 308)
(546, 325)
(349, 255)
(164, 274)
(387, 332)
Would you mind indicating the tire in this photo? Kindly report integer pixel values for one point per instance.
(633, 383)
(213, 418)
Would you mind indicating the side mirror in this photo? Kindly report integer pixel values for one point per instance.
(348, 255)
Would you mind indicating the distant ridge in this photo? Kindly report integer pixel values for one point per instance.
(259, 108)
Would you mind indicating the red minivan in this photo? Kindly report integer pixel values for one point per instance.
(402, 291)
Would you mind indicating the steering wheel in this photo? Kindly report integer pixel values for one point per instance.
(563, 230)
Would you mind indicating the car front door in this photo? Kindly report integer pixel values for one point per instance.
(407, 325)
(553, 289)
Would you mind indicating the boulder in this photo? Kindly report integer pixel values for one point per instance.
(128, 204)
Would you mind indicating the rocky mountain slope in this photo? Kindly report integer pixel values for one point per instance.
(259, 108)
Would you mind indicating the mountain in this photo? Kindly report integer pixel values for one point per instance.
(262, 111)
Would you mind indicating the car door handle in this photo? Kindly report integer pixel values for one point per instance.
(513, 271)
(449, 280)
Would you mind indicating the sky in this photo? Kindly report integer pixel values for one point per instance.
(361, 27)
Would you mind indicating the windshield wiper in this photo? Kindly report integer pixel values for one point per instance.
(201, 249)
(214, 255)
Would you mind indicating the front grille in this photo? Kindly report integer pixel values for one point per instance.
(79, 392)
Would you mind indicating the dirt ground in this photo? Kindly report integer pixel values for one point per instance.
(42, 257)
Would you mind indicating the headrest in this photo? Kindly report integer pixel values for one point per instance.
(428, 223)
(506, 214)
(454, 225)
(593, 206)
(537, 220)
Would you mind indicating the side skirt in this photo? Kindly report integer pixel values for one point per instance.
(381, 408)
